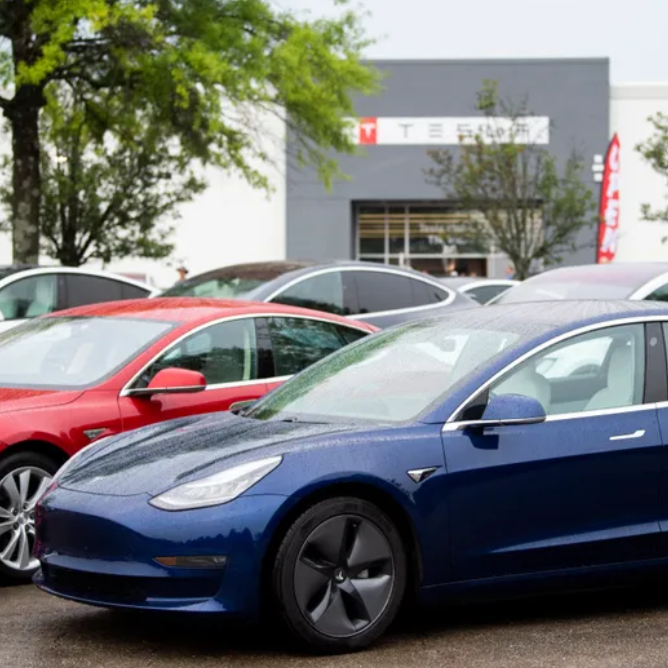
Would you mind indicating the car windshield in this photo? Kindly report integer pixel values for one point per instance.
(546, 288)
(391, 377)
(231, 282)
(70, 352)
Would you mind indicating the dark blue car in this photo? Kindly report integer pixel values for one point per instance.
(487, 450)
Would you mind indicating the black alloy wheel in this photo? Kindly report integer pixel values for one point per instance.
(340, 575)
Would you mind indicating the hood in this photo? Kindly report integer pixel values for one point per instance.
(21, 399)
(156, 458)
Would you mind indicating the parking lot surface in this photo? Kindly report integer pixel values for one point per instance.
(610, 630)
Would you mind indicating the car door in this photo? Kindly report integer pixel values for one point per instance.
(226, 353)
(386, 298)
(578, 490)
(298, 342)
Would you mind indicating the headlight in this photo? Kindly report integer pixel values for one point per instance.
(216, 489)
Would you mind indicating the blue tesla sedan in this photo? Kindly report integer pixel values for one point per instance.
(503, 447)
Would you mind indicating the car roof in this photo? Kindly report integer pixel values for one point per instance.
(194, 310)
(629, 273)
(542, 318)
(269, 271)
(16, 272)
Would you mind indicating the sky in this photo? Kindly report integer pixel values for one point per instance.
(632, 33)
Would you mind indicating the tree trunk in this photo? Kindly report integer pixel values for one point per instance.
(26, 184)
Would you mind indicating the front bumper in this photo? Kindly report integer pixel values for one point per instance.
(102, 550)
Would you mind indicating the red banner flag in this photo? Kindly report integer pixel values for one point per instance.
(608, 227)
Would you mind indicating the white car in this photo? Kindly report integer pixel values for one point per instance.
(30, 292)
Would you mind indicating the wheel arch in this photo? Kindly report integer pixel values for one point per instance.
(36, 445)
(367, 492)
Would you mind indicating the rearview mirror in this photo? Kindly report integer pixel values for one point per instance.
(172, 381)
(509, 409)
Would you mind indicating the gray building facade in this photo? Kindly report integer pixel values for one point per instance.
(388, 211)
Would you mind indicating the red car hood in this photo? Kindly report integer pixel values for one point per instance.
(22, 399)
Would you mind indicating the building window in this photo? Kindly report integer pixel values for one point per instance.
(426, 237)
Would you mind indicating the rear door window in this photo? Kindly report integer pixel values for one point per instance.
(425, 293)
(299, 342)
(83, 290)
(129, 291)
(324, 292)
(379, 291)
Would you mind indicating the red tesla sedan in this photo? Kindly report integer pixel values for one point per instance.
(80, 375)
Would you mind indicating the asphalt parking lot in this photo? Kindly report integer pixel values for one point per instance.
(615, 629)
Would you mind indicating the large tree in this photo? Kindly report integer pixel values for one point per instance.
(107, 196)
(200, 69)
(518, 199)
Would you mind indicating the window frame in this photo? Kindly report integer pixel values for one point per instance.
(652, 357)
(451, 294)
(260, 334)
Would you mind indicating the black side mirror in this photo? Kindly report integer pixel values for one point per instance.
(509, 409)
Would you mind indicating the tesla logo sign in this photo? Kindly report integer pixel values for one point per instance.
(422, 131)
(608, 229)
(368, 131)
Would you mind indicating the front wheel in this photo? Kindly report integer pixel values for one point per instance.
(24, 477)
(340, 575)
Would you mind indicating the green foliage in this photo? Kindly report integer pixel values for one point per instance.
(104, 196)
(655, 151)
(521, 203)
(204, 71)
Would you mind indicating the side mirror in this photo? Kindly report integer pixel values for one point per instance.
(172, 381)
(507, 410)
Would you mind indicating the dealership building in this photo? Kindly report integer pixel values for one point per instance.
(387, 211)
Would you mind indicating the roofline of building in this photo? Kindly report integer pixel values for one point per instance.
(639, 91)
(486, 61)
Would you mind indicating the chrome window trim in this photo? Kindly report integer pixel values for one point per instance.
(631, 320)
(648, 288)
(458, 426)
(452, 294)
(245, 316)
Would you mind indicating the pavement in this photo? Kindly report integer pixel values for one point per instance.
(622, 629)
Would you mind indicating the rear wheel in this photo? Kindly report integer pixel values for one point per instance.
(340, 575)
(24, 477)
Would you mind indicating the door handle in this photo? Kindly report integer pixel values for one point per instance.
(638, 433)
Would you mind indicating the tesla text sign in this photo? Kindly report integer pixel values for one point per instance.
(608, 229)
(422, 131)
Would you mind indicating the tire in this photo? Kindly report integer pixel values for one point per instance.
(17, 511)
(339, 576)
